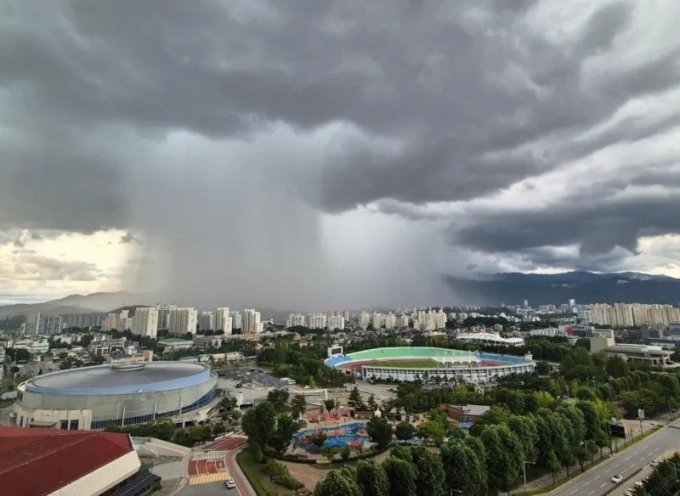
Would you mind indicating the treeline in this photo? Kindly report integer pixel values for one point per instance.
(166, 430)
(492, 458)
(305, 366)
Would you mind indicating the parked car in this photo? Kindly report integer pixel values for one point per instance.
(230, 483)
(617, 478)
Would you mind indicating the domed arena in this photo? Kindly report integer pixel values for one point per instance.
(122, 394)
(428, 364)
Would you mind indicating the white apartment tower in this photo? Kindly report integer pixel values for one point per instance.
(251, 322)
(112, 321)
(223, 320)
(145, 322)
(316, 321)
(295, 320)
(163, 315)
(236, 320)
(335, 323)
(364, 319)
(378, 320)
(390, 321)
(182, 320)
(206, 321)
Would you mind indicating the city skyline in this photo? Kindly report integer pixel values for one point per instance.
(289, 156)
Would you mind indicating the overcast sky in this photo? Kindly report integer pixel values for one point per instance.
(321, 154)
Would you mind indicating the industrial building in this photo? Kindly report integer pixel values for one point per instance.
(120, 394)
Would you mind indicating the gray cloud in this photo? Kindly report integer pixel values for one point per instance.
(208, 129)
(30, 267)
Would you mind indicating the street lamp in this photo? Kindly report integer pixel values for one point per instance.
(524, 469)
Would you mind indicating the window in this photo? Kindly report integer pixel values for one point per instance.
(64, 425)
(73, 425)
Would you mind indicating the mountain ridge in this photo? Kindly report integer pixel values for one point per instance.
(584, 287)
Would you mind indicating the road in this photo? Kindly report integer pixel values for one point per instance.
(210, 489)
(597, 481)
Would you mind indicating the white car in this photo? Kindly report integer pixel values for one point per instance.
(230, 483)
(616, 479)
(654, 463)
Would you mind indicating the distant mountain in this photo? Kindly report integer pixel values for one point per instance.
(96, 302)
(105, 302)
(584, 287)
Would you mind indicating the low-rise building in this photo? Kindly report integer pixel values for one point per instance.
(654, 355)
(205, 342)
(175, 344)
(465, 413)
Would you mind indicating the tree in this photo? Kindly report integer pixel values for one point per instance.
(505, 455)
(372, 479)
(286, 426)
(402, 477)
(355, 400)
(464, 469)
(338, 483)
(542, 367)
(298, 405)
(405, 431)
(345, 452)
(318, 438)
(258, 424)
(586, 394)
(379, 431)
(278, 398)
(329, 404)
(432, 430)
(526, 431)
(329, 452)
(552, 464)
(371, 403)
(429, 472)
(617, 367)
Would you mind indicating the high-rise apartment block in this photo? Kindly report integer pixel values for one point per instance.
(632, 314)
(251, 322)
(182, 320)
(206, 321)
(316, 321)
(236, 320)
(223, 320)
(335, 323)
(296, 320)
(364, 319)
(145, 322)
(164, 316)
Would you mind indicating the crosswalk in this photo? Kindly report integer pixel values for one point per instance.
(207, 478)
(208, 455)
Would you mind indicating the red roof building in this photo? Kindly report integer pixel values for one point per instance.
(42, 462)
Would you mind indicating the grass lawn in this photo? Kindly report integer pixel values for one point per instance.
(258, 477)
(6, 403)
(423, 363)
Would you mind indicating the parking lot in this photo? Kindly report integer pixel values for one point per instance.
(254, 384)
(251, 378)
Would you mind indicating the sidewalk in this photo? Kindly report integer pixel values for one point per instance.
(545, 481)
(244, 487)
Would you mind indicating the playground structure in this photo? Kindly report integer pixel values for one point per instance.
(351, 434)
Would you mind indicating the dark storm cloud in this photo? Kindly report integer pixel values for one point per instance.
(616, 223)
(422, 73)
(448, 101)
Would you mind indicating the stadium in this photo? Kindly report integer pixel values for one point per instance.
(124, 394)
(409, 364)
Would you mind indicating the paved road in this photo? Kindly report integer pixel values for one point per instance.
(211, 489)
(597, 481)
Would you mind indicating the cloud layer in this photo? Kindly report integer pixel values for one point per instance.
(240, 147)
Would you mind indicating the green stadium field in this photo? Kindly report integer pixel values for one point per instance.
(417, 363)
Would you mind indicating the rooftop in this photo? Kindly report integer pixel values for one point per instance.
(175, 341)
(41, 461)
(108, 377)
